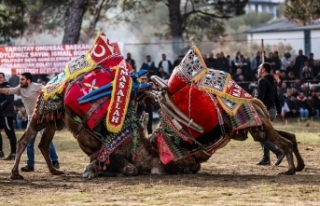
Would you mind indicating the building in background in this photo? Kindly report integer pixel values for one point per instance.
(259, 6)
(306, 38)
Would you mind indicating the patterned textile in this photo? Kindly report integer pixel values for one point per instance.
(191, 69)
(170, 145)
(89, 82)
(113, 140)
(229, 94)
(245, 118)
(50, 109)
(101, 50)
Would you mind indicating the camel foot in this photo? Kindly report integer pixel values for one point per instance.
(130, 170)
(300, 167)
(289, 172)
(16, 177)
(57, 172)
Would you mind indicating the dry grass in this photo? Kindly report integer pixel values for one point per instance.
(229, 178)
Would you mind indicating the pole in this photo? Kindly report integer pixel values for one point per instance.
(262, 52)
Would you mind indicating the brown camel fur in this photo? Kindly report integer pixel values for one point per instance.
(146, 162)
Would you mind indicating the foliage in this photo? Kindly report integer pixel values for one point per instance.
(303, 12)
(194, 20)
(253, 19)
(280, 10)
(12, 23)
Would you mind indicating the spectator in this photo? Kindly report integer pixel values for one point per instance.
(223, 63)
(131, 61)
(292, 68)
(290, 79)
(316, 70)
(310, 106)
(165, 64)
(148, 107)
(211, 62)
(6, 105)
(306, 73)
(22, 118)
(300, 60)
(149, 66)
(161, 73)
(293, 107)
(256, 61)
(286, 60)
(14, 80)
(311, 60)
(237, 75)
(277, 62)
(177, 61)
(297, 85)
(241, 63)
(316, 101)
(302, 106)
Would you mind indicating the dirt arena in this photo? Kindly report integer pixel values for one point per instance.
(229, 178)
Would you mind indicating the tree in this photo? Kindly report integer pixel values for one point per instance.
(303, 12)
(12, 23)
(76, 10)
(199, 19)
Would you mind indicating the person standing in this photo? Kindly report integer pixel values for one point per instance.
(6, 103)
(1, 128)
(29, 92)
(149, 66)
(131, 61)
(165, 64)
(268, 94)
(148, 106)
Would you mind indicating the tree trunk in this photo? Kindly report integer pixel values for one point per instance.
(176, 26)
(76, 10)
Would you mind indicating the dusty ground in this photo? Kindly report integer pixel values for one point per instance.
(229, 178)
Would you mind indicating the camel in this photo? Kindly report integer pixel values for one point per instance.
(148, 158)
(176, 100)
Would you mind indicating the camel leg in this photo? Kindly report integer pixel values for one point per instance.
(46, 138)
(292, 137)
(120, 164)
(271, 135)
(27, 136)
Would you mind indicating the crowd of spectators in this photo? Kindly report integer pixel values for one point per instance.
(298, 77)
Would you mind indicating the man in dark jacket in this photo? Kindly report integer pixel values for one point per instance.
(1, 121)
(6, 102)
(267, 92)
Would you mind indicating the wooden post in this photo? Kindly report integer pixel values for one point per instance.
(262, 52)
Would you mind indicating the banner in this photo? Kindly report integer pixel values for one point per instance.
(42, 59)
